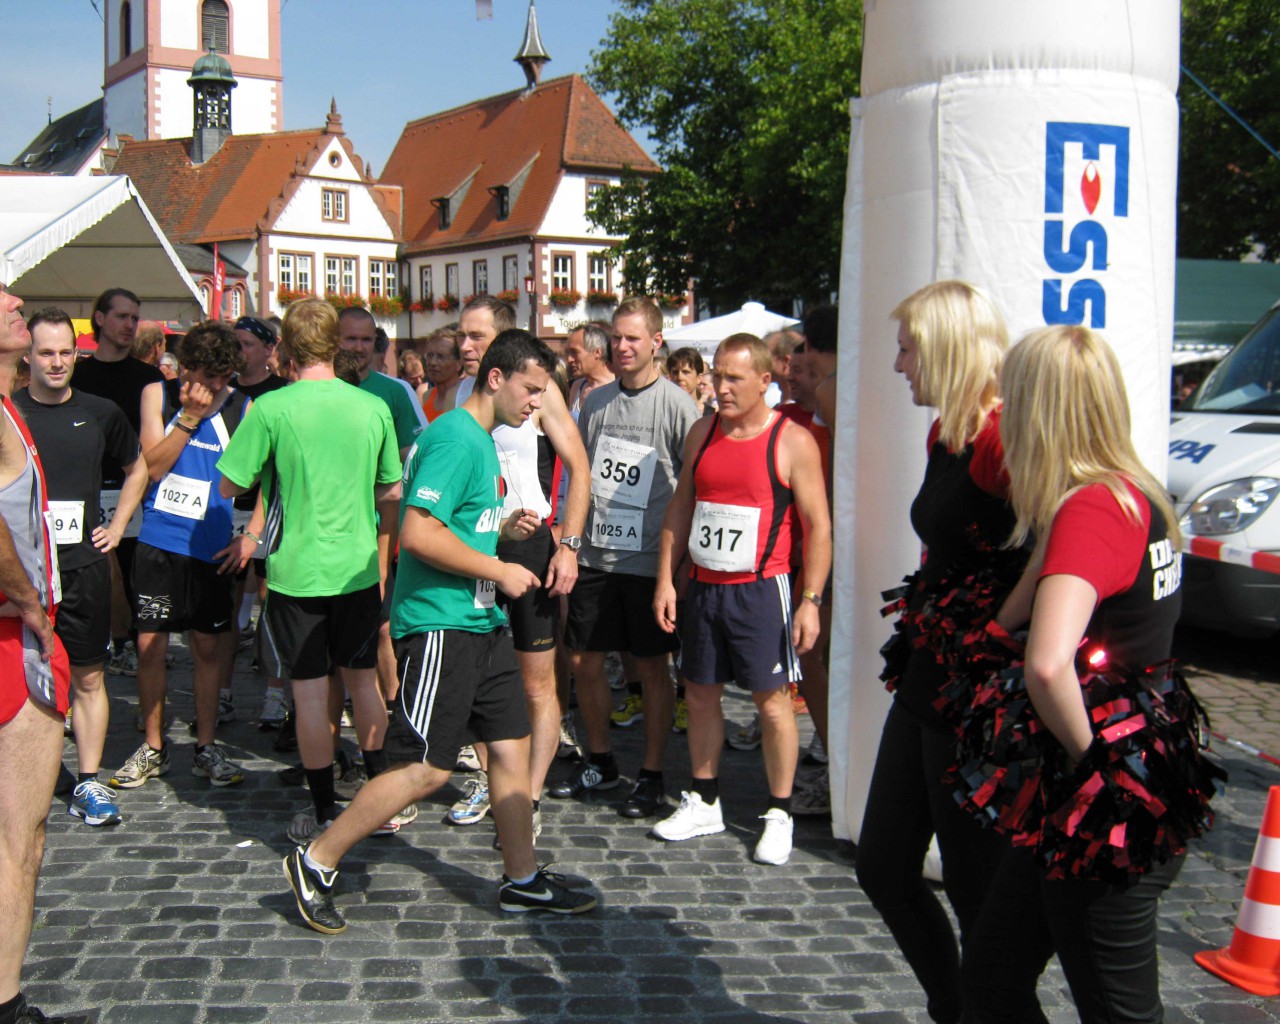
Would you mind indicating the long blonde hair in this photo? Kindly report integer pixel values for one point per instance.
(961, 341)
(1065, 426)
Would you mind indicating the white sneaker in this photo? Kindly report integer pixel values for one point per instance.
(274, 710)
(775, 842)
(468, 761)
(748, 737)
(691, 819)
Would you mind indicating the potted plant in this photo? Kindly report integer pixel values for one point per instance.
(447, 303)
(565, 297)
(599, 298)
(508, 295)
(284, 296)
(385, 306)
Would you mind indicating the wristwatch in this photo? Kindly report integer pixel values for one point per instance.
(810, 595)
(572, 543)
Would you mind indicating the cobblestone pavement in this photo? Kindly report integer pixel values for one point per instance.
(182, 915)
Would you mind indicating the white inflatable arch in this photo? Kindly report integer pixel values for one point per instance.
(1027, 146)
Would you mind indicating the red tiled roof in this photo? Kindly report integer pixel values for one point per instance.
(560, 125)
(237, 193)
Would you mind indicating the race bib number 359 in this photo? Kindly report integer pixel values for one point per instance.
(623, 471)
(724, 537)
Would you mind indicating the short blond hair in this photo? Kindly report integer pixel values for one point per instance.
(309, 334)
(761, 359)
(961, 342)
(646, 309)
(1065, 425)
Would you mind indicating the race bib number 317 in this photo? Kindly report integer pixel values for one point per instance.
(724, 537)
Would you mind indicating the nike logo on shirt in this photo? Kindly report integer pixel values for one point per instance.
(79, 423)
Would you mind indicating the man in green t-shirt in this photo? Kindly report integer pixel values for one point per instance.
(460, 679)
(326, 454)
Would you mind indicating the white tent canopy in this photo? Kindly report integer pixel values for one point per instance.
(705, 335)
(63, 241)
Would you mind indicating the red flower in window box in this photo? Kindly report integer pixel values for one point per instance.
(508, 295)
(447, 303)
(565, 297)
(385, 306)
(595, 298)
(284, 296)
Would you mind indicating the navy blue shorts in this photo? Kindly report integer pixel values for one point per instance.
(739, 633)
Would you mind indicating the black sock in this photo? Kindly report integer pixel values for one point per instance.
(708, 789)
(9, 1009)
(635, 689)
(645, 773)
(320, 781)
(679, 691)
(536, 805)
(604, 761)
(199, 749)
(782, 803)
(375, 762)
(86, 777)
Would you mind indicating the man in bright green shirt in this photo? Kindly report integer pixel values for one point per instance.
(460, 679)
(327, 455)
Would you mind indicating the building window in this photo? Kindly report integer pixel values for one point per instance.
(510, 273)
(333, 204)
(503, 196)
(480, 277)
(451, 279)
(284, 272)
(304, 273)
(562, 272)
(382, 278)
(350, 272)
(598, 273)
(375, 278)
(331, 280)
(215, 25)
(442, 204)
(427, 290)
(236, 303)
(126, 29)
(206, 298)
(594, 188)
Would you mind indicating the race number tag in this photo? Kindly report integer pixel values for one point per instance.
(108, 502)
(622, 471)
(619, 529)
(486, 592)
(55, 570)
(68, 521)
(240, 520)
(724, 537)
(183, 496)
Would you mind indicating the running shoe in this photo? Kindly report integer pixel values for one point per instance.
(468, 761)
(66, 723)
(274, 711)
(474, 804)
(815, 752)
(25, 1013)
(545, 891)
(588, 776)
(91, 801)
(774, 846)
(406, 817)
(286, 741)
(212, 764)
(645, 800)
(353, 777)
(313, 891)
(126, 662)
(569, 747)
(226, 707)
(629, 712)
(746, 738)
(680, 724)
(303, 827)
(144, 763)
(614, 671)
(691, 819)
(813, 799)
(248, 636)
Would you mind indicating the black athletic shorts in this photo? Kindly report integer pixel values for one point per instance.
(175, 592)
(384, 614)
(535, 616)
(613, 611)
(306, 637)
(84, 616)
(739, 633)
(259, 570)
(455, 688)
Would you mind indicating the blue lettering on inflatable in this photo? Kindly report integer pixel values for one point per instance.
(1190, 450)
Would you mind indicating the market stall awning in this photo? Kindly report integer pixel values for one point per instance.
(63, 241)
(705, 335)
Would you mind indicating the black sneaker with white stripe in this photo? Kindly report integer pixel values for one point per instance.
(546, 891)
(312, 891)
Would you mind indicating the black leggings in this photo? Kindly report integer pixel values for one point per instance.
(905, 808)
(1104, 935)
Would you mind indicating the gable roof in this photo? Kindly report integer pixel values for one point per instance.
(523, 139)
(65, 144)
(236, 193)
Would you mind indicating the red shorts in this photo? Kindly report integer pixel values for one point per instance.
(23, 674)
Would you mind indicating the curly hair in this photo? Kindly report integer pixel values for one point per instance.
(211, 346)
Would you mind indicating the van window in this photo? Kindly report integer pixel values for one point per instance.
(1248, 379)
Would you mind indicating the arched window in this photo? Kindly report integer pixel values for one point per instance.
(215, 23)
(126, 29)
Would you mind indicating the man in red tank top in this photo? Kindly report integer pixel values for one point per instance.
(750, 476)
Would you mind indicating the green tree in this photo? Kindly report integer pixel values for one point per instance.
(1228, 184)
(748, 104)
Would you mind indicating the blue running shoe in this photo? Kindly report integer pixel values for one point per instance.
(92, 801)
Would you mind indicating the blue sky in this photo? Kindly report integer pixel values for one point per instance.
(385, 61)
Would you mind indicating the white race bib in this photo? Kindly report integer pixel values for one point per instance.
(724, 537)
(68, 521)
(183, 496)
(55, 571)
(486, 592)
(510, 500)
(619, 529)
(623, 471)
(240, 520)
(108, 502)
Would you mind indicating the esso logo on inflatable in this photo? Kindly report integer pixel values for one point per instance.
(1097, 157)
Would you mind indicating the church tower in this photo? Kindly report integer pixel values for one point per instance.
(151, 47)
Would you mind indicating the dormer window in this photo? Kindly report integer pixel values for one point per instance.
(503, 195)
(441, 203)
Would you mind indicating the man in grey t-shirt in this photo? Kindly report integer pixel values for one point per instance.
(634, 431)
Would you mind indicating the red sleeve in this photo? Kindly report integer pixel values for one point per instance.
(1093, 538)
(987, 468)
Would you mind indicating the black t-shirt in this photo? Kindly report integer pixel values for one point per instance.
(121, 382)
(255, 391)
(73, 437)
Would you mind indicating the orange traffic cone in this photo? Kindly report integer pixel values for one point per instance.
(1252, 962)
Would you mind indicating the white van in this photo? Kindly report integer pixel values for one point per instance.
(1224, 475)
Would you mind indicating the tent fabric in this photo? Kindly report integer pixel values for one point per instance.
(705, 335)
(63, 241)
